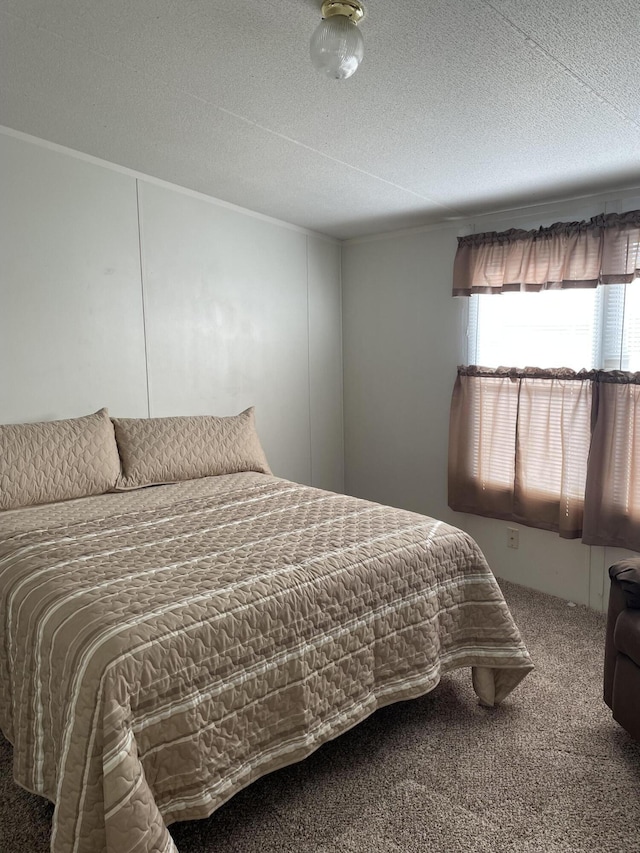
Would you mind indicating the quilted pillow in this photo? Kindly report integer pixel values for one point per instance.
(167, 450)
(57, 460)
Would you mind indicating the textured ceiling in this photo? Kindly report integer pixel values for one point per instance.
(458, 107)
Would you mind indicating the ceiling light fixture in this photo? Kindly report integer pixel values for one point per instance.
(336, 45)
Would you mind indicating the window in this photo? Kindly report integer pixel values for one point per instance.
(576, 328)
(521, 446)
(545, 422)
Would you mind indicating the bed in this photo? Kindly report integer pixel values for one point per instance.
(164, 647)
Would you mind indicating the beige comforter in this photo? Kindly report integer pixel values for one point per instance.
(161, 649)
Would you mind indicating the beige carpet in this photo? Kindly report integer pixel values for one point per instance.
(548, 772)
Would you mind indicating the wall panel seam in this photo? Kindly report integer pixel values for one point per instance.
(309, 380)
(142, 297)
(160, 182)
(341, 321)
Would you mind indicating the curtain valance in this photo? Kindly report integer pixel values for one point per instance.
(602, 250)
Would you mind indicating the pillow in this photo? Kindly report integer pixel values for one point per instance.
(57, 460)
(166, 450)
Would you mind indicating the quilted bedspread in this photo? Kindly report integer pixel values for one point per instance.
(162, 649)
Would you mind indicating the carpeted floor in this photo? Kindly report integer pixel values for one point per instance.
(548, 772)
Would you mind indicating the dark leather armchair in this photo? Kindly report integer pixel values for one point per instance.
(622, 647)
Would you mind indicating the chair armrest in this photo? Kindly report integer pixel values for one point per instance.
(625, 588)
(627, 574)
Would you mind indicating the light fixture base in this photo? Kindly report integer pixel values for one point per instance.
(352, 9)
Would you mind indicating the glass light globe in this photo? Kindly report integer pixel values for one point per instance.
(337, 47)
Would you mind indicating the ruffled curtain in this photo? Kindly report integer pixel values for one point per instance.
(553, 449)
(612, 499)
(518, 445)
(602, 250)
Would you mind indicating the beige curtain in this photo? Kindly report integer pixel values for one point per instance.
(602, 250)
(612, 499)
(482, 442)
(518, 445)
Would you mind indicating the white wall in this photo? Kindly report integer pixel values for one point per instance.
(402, 341)
(117, 290)
(70, 305)
(404, 335)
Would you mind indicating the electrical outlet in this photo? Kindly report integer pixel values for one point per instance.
(513, 537)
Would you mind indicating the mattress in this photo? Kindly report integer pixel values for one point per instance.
(161, 649)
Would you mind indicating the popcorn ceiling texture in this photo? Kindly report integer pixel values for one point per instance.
(457, 107)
